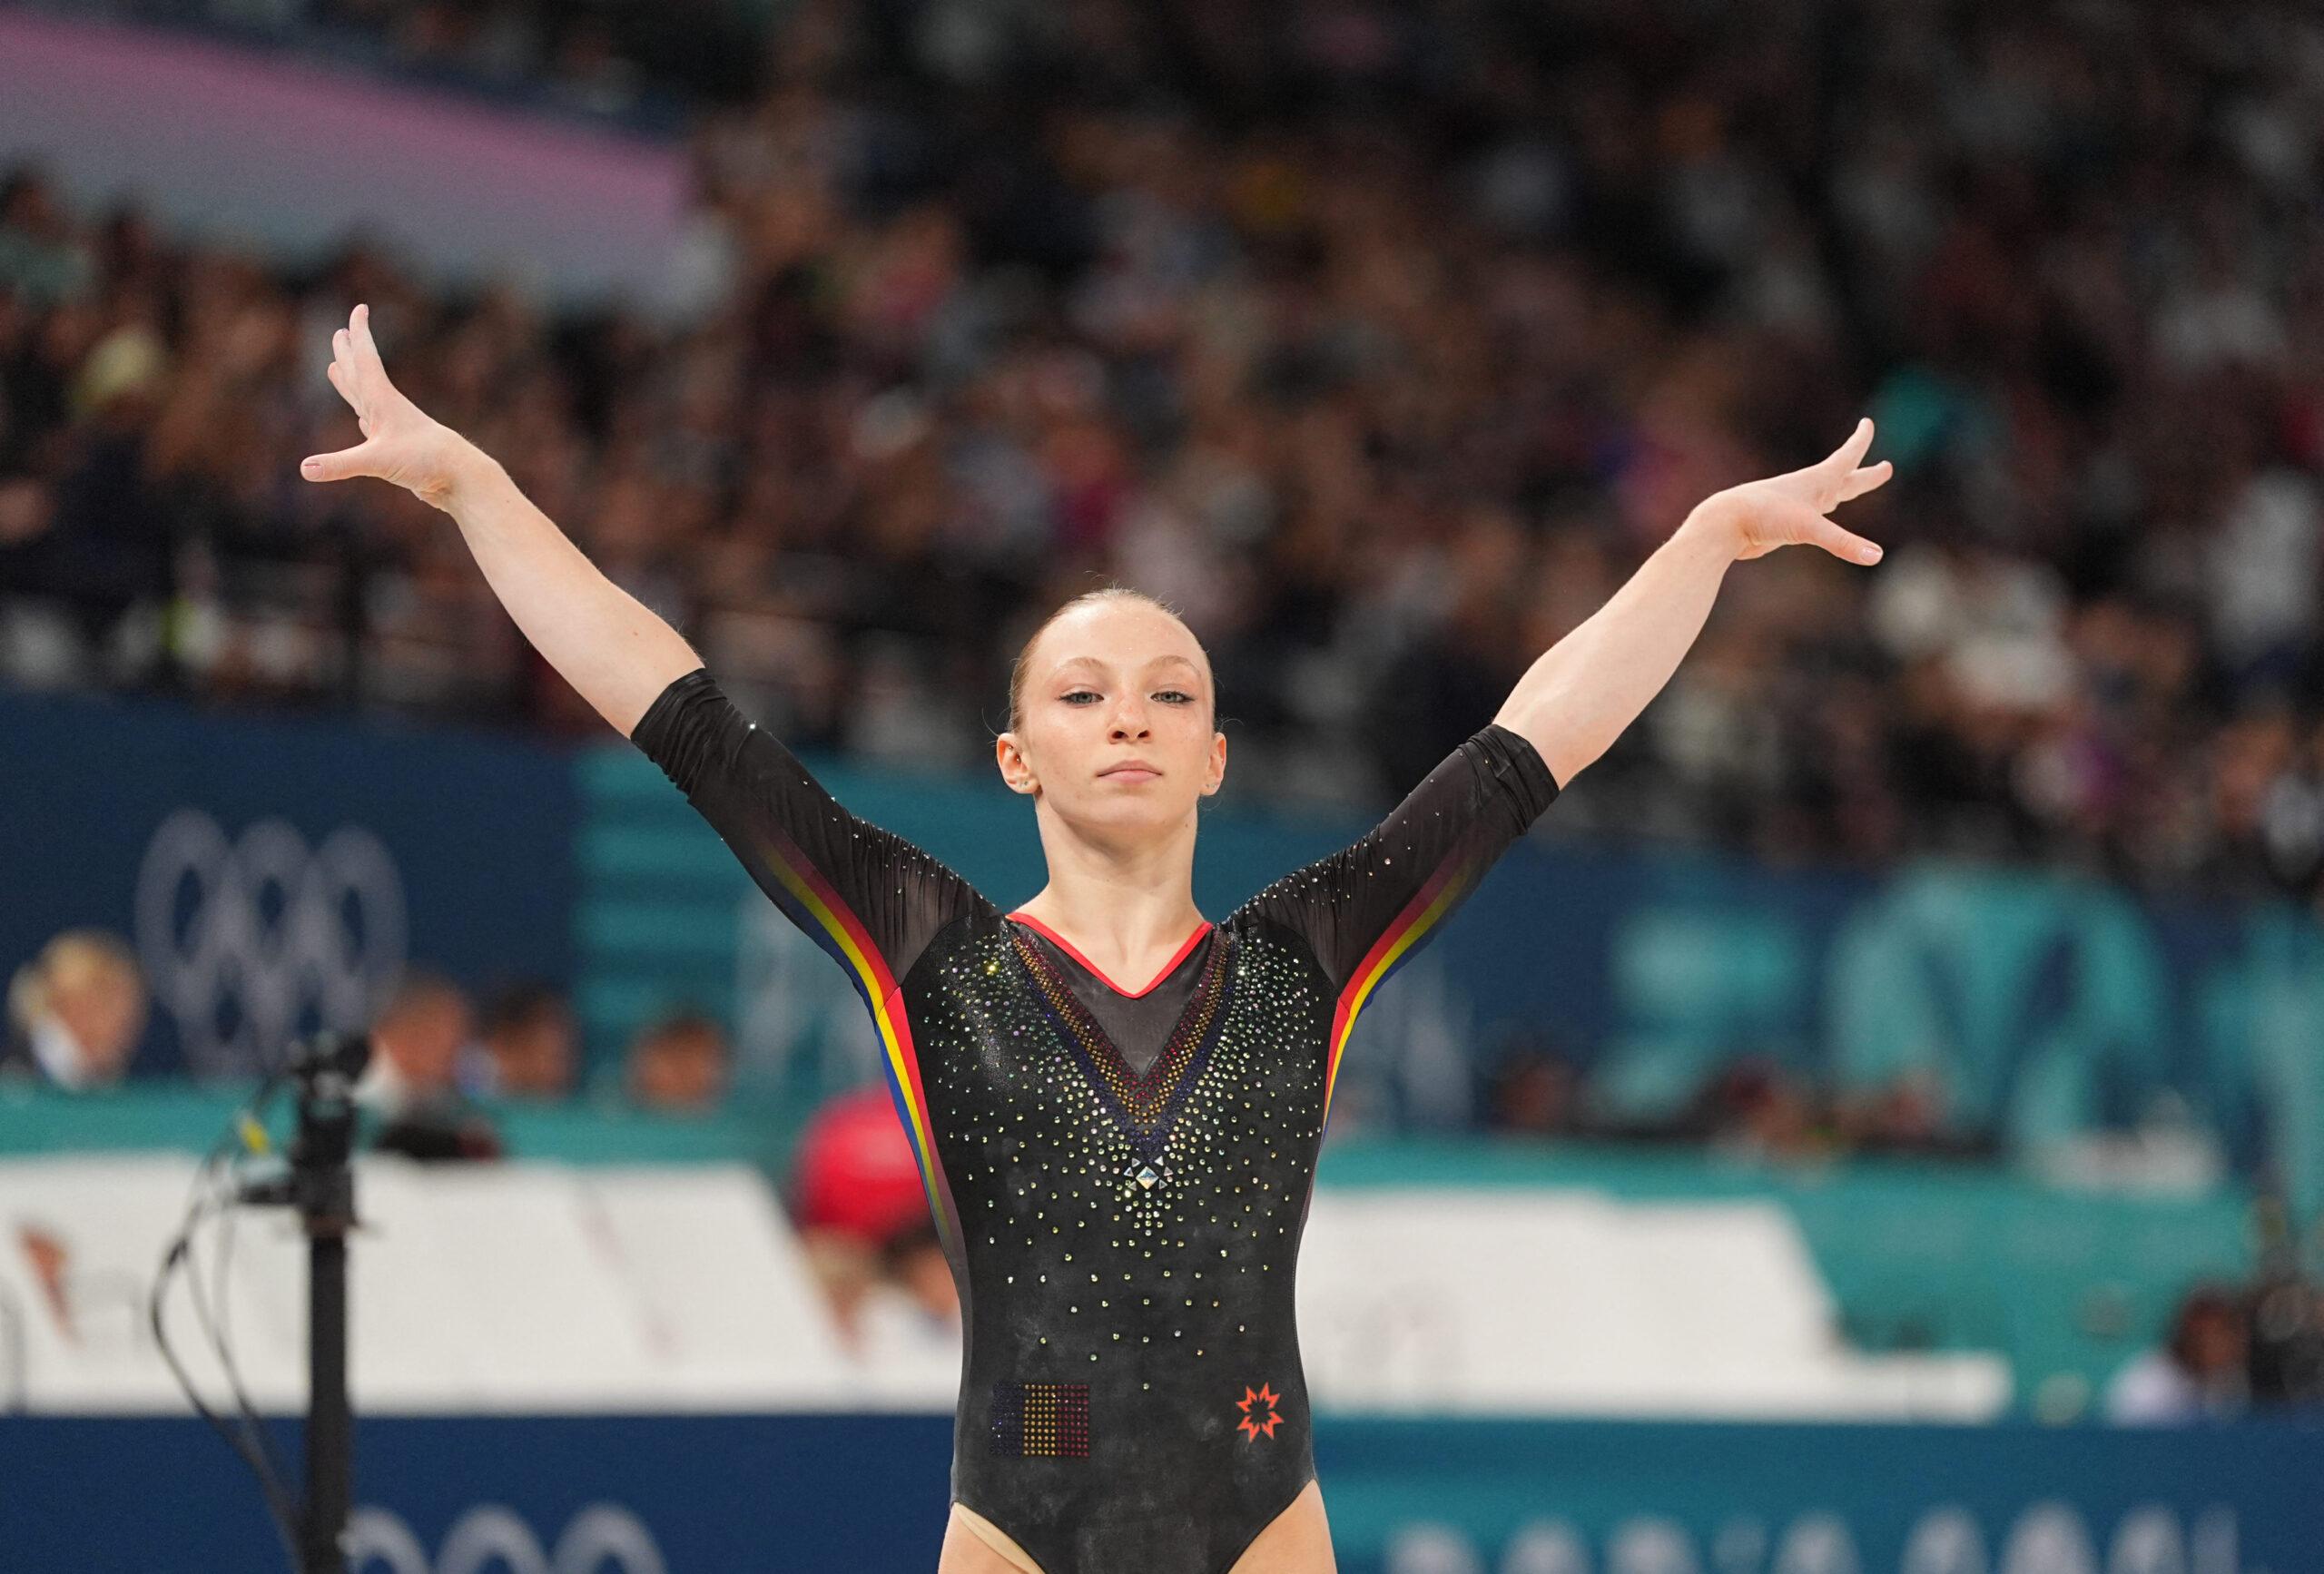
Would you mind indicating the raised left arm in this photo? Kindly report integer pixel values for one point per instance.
(1581, 692)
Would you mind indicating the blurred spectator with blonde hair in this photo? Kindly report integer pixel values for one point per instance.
(76, 1012)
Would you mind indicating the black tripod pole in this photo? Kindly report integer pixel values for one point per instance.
(323, 1190)
(330, 1459)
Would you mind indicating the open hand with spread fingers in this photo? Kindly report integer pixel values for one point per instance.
(400, 442)
(1789, 510)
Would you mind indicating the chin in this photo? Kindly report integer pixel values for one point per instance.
(1133, 809)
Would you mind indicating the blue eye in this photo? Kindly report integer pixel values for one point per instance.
(1183, 698)
(1076, 694)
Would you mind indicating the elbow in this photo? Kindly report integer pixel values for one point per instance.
(1567, 745)
(1566, 761)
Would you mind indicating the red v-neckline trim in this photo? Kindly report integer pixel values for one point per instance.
(1071, 950)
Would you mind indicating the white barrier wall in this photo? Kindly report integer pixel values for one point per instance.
(1573, 1303)
(536, 1287)
(508, 1288)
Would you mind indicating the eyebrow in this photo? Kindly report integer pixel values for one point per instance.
(1083, 660)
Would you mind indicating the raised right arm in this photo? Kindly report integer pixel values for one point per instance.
(614, 651)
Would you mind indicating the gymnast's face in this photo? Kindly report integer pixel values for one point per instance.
(1105, 685)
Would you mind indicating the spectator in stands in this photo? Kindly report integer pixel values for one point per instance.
(1910, 1115)
(1534, 1089)
(2199, 1372)
(410, 1088)
(1757, 1108)
(75, 1012)
(861, 1212)
(527, 1050)
(678, 1065)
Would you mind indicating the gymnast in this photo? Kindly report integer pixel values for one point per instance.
(1117, 1103)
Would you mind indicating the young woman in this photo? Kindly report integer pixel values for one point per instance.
(1117, 1103)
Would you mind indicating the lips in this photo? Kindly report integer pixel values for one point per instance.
(1137, 770)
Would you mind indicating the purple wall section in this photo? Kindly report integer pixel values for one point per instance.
(289, 157)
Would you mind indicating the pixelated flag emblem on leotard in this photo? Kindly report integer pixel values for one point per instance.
(1259, 1412)
(1041, 1419)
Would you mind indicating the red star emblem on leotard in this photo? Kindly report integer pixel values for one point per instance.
(1250, 1423)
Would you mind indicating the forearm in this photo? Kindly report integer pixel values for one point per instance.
(614, 651)
(1581, 692)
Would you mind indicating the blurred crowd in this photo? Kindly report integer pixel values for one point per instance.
(1752, 1107)
(439, 1060)
(77, 1013)
(1385, 341)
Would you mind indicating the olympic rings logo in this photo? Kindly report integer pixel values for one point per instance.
(251, 941)
(602, 1538)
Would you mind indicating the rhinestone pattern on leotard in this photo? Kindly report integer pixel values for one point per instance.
(1144, 1105)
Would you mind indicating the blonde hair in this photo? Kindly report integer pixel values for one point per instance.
(1022, 669)
(68, 961)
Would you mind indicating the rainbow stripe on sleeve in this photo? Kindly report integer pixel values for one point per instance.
(1438, 895)
(816, 908)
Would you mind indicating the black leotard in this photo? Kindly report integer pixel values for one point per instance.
(1123, 1229)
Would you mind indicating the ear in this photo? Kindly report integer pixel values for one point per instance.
(1217, 776)
(1016, 771)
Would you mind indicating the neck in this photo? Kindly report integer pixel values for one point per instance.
(1120, 918)
(1129, 887)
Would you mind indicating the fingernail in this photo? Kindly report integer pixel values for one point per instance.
(1870, 555)
(311, 465)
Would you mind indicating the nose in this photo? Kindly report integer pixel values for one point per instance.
(1129, 718)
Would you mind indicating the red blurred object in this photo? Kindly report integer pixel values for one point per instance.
(855, 1169)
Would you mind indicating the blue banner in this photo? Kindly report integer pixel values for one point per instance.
(276, 875)
(865, 1495)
